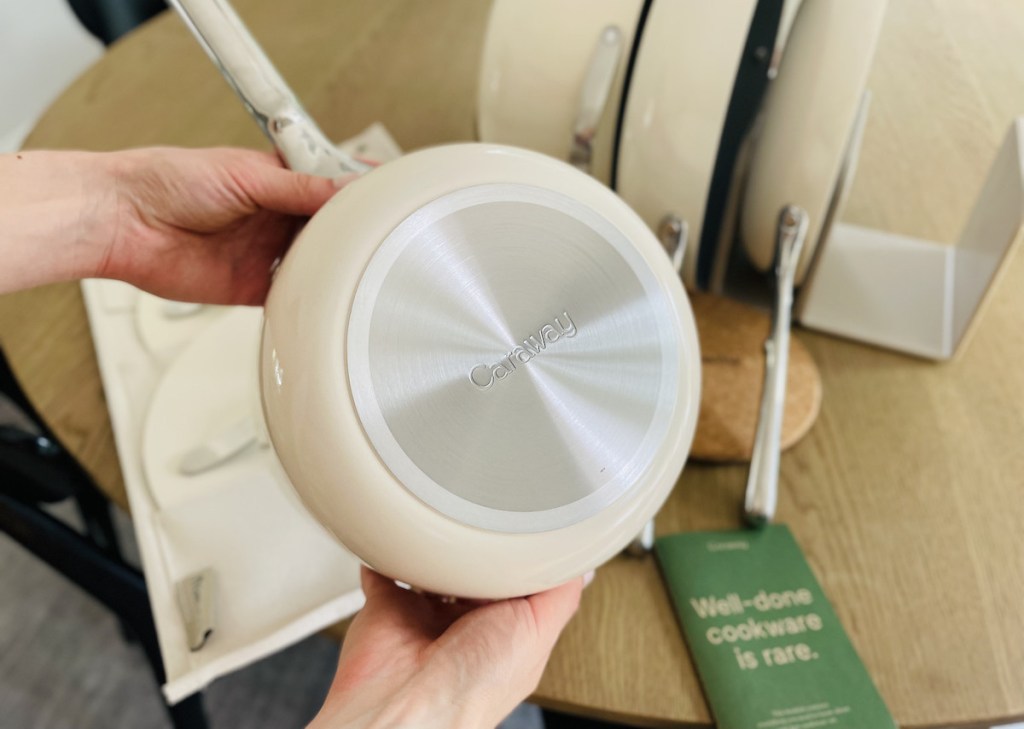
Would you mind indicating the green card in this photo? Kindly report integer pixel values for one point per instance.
(769, 649)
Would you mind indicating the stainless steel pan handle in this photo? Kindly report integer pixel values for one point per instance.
(763, 479)
(264, 93)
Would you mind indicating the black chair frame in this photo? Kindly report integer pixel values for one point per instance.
(35, 469)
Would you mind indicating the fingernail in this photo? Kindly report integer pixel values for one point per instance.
(588, 578)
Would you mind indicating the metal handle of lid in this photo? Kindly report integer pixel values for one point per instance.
(763, 479)
(263, 91)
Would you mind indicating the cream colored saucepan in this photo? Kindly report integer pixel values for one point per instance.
(479, 369)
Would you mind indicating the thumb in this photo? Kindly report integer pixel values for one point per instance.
(292, 193)
(553, 609)
(525, 627)
(515, 637)
(496, 654)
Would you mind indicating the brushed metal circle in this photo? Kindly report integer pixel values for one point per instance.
(512, 358)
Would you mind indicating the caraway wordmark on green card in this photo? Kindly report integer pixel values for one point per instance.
(769, 648)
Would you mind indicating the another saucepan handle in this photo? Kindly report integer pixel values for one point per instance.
(763, 480)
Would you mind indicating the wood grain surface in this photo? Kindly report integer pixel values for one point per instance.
(732, 337)
(908, 492)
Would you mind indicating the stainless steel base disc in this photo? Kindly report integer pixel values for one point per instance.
(513, 359)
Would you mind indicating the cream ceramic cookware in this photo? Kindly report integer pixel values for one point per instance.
(812, 120)
(678, 100)
(479, 369)
(552, 75)
(679, 95)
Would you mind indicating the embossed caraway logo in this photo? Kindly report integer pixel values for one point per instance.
(485, 375)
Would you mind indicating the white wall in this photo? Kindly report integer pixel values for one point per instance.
(43, 48)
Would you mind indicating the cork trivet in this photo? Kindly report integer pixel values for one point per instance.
(732, 351)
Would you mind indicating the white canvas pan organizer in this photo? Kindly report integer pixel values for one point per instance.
(172, 380)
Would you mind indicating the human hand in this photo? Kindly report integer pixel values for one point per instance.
(206, 225)
(412, 660)
(196, 225)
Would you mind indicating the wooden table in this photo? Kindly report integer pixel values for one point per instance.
(908, 494)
